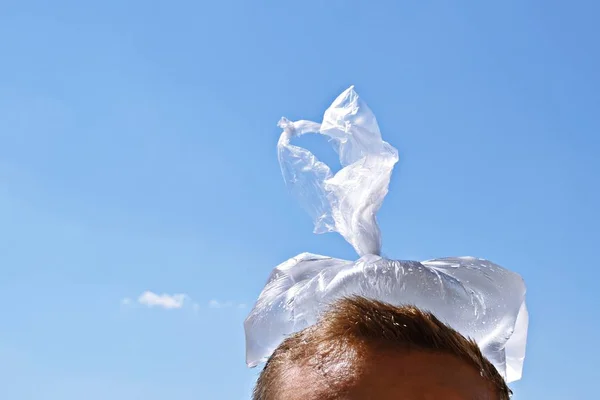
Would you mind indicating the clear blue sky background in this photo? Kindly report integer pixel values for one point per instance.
(137, 152)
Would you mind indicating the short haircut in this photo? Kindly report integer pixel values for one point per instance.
(355, 322)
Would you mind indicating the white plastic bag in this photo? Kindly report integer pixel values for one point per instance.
(476, 297)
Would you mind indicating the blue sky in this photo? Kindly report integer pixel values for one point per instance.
(137, 153)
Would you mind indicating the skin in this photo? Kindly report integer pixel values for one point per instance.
(381, 375)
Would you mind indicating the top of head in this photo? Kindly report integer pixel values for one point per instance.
(364, 349)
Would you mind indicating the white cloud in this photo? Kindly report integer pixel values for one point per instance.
(176, 301)
(215, 304)
(227, 304)
(164, 300)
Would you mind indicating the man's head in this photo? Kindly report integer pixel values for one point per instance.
(362, 349)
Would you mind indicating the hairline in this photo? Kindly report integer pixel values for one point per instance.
(371, 333)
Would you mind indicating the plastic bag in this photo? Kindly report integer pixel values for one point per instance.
(476, 297)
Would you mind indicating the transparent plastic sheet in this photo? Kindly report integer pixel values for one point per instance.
(348, 201)
(476, 297)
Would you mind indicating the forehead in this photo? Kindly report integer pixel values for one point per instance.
(414, 375)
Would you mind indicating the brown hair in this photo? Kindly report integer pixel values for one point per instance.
(355, 322)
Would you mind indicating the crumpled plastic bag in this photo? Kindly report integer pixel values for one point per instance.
(476, 297)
